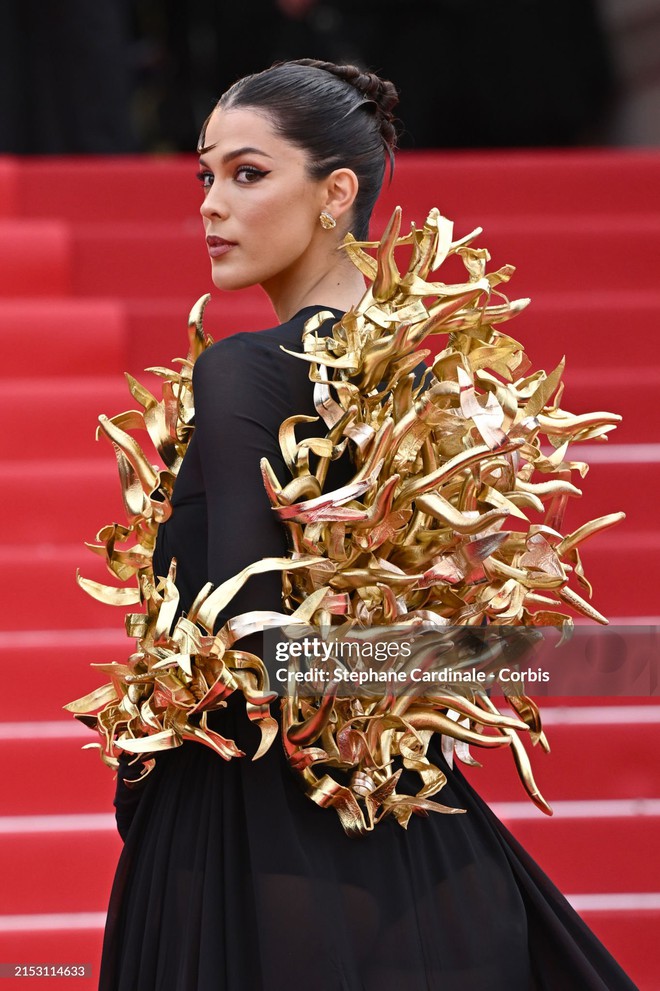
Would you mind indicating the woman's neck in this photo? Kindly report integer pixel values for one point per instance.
(339, 288)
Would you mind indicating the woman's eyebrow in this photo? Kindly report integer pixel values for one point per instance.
(247, 150)
(231, 155)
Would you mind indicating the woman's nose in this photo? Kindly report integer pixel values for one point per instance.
(212, 204)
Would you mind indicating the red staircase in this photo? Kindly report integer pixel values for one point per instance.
(100, 261)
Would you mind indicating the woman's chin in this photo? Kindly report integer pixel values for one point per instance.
(227, 284)
(228, 281)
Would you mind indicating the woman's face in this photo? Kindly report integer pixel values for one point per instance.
(261, 209)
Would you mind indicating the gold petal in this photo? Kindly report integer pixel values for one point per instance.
(100, 697)
(107, 593)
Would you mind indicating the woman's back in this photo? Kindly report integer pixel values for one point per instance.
(230, 877)
(244, 386)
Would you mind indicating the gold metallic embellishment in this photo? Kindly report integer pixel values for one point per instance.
(433, 528)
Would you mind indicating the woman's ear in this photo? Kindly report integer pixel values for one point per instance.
(341, 188)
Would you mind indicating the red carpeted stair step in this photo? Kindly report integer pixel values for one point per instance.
(85, 495)
(35, 258)
(139, 188)
(569, 253)
(591, 329)
(594, 854)
(524, 182)
(38, 587)
(577, 767)
(82, 497)
(58, 871)
(36, 408)
(558, 254)
(9, 186)
(50, 417)
(576, 770)
(34, 943)
(584, 181)
(63, 336)
(626, 570)
(158, 326)
(72, 779)
(624, 486)
(632, 937)
(39, 591)
(60, 660)
(138, 260)
(59, 665)
(576, 853)
(630, 393)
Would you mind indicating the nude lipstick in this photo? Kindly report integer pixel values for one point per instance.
(218, 246)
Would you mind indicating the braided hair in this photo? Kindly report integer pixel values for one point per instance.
(339, 114)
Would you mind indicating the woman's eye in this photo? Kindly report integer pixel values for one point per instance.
(247, 174)
(205, 178)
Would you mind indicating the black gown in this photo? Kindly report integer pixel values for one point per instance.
(231, 879)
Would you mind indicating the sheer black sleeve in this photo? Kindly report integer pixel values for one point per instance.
(241, 398)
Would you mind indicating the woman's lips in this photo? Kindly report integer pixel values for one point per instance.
(218, 246)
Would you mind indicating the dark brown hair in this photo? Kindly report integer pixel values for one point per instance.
(341, 116)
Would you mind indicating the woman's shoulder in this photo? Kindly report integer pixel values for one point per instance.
(226, 363)
(272, 339)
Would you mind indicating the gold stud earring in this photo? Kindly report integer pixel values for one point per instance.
(327, 220)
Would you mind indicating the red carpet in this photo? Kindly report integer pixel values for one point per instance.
(100, 261)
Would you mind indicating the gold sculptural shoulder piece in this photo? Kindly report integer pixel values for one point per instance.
(453, 519)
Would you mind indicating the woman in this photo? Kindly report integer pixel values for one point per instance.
(230, 877)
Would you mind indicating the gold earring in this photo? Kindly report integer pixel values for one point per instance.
(327, 220)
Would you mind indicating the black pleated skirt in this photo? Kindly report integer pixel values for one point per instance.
(231, 879)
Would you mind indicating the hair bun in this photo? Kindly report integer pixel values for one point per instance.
(380, 92)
